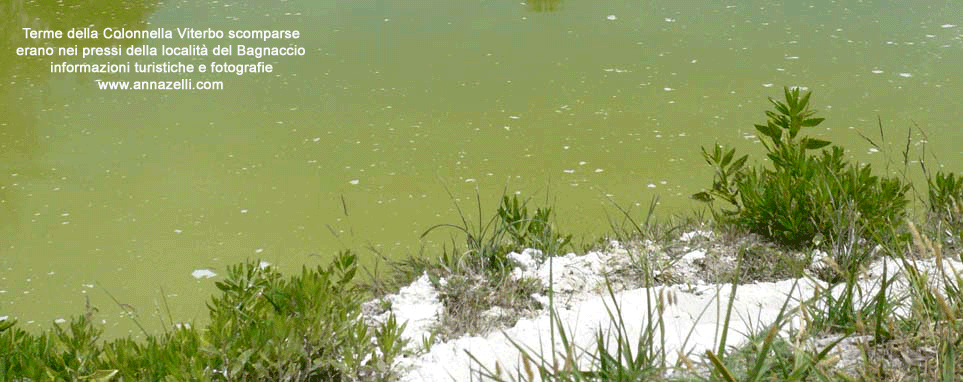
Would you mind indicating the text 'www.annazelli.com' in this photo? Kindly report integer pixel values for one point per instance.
(183, 84)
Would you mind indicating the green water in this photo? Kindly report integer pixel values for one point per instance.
(354, 144)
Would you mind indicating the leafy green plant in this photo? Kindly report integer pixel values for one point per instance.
(945, 192)
(946, 206)
(428, 341)
(535, 231)
(728, 174)
(263, 327)
(793, 201)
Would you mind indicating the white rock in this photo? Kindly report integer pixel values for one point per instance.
(417, 305)
(694, 255)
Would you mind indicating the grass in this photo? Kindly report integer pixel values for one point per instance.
(476, 267)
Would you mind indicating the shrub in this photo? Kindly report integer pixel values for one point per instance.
(263, 327)
(796, 198)
(946, 205)
(308, 326)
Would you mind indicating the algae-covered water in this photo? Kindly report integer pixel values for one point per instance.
(358, 143)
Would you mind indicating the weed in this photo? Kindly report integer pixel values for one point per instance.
(790, 203)
(478, 277)
(946, 206)
(535, 231)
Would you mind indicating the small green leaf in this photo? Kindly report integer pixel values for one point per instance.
(737, 165)
(793, 130)
(7, 324)
(811, 122)
(804, 102)
(728, 157)
(814, 144)
(775, 129)
(720, 367)
(766, 130)
(702, 197)
(101, 376)
(791, 97)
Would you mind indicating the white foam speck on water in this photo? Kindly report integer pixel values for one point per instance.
(263, 264)
(877, 71)
(582, 163)
(767, 85)
(514, 117)
(60, 321)
(4, 318)
(203, 274)
(507, 128)
(259, 250)
(355, 181)
(651, 185)
(568, 171)
(177, 231)
(317, 139)
(906, 75)
(611, 18)
(948, 26)
(599, 170)
(470, 180)
(873, 150)
(792, 57)
(244, 211)
(668, 89)
(669, 20)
